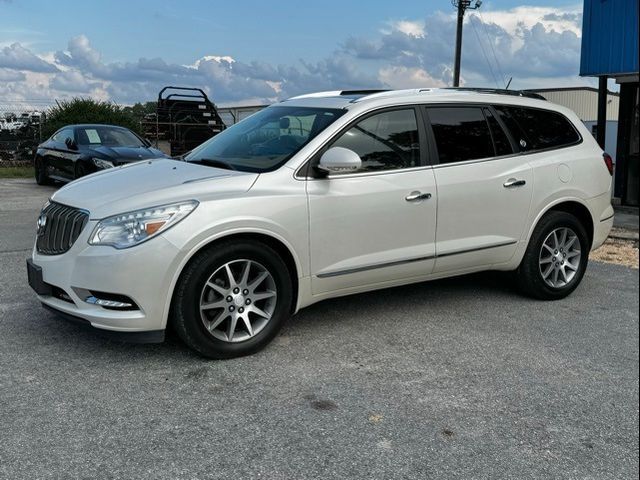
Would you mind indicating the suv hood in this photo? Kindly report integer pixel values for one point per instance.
(150, 183)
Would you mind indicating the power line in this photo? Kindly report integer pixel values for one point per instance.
(490, 40)
(483, 51)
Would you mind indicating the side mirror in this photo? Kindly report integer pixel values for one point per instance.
(71, 145)
(339, 160)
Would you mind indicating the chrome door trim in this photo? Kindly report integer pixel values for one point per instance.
(374, 266)
(478, 249)
(410, 260)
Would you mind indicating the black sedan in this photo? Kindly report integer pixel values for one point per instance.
(77, 150)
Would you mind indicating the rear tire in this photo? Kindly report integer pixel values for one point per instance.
(556, 257)
(220, 311)
(40, 171)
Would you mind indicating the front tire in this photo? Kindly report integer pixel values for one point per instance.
(232, 299)
(556, 257)
(81, 170)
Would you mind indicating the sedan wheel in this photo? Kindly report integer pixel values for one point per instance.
(81, 170)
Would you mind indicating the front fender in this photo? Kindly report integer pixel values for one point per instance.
(245, 225)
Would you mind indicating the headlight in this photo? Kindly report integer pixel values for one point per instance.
(100, 163)
(132, 228)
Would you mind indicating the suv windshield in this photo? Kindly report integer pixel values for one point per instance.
(107, 136)
(265, 140)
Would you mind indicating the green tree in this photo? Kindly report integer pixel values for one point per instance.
(86, 110)
(139, 110)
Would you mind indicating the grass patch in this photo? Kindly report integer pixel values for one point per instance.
(16, 172)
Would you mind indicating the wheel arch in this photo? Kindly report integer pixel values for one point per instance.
(85, 161)
(573, 206)
(276, 243)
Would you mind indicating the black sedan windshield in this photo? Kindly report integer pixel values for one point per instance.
(97, 135)
(265, 140)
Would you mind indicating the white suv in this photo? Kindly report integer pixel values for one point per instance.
(320, 196)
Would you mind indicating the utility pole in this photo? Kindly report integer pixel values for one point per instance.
(462, 6)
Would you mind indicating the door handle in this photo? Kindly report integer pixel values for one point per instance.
(417, 196)
(512, 182)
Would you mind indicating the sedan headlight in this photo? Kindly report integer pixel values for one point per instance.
(102, 164)
(132, 228)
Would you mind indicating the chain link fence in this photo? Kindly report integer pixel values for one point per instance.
(21, 127)
(20, 131)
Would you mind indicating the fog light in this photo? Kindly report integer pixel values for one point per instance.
(110, 301)
(107, 303)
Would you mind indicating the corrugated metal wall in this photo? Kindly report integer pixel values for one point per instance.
(609, 37)
(583, 102)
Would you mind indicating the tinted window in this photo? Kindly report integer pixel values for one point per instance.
(500, 140)
(462, 133)
(385, 141)
(265, 140)
(520, 137)
(536, 129)
(62, 135)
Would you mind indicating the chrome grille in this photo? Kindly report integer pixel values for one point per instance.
(59, 227)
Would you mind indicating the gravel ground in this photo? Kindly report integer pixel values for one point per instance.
(461, 378)
(618, 251)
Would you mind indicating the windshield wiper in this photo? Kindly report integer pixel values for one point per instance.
(212, 162)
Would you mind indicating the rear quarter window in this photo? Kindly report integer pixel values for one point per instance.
(538, 129)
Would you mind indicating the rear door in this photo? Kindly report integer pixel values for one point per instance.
(484, 188)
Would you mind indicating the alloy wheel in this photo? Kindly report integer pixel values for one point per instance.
(238, 300)
(560, 257)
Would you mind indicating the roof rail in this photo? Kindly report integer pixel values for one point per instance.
(363, 92)
(498, 91)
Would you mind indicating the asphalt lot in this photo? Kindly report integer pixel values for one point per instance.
(460, 378)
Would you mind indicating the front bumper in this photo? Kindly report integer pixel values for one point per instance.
(148, 336)
(142, 273)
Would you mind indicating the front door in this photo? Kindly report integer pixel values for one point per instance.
(59, 156)
(376, 225)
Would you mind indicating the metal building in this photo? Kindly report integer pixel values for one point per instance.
(610, 50)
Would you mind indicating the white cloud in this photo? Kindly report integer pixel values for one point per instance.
(215, 58)
(538, 46)
(404, 77)
(18, 57)
(551, 18)
(408, 27)
(8, 75)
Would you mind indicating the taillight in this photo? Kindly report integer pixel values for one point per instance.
(608, 161)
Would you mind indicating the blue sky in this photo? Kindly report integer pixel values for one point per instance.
(257, 51)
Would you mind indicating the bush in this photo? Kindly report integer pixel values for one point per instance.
(86, 110)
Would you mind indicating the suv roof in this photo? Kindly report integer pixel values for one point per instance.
(345, 98)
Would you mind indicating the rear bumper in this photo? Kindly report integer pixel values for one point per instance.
(601, 232)
(149, 336)
(602, 213)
